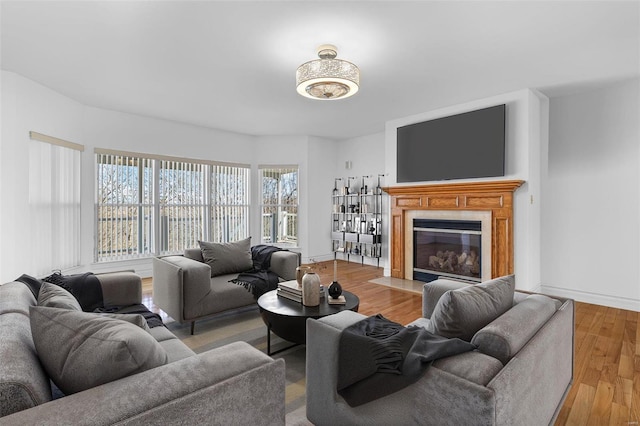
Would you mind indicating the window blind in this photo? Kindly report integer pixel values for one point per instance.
(54, 203)
(149, 205)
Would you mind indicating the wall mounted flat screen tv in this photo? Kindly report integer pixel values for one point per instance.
(468, 145)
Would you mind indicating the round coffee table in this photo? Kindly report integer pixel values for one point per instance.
(288, 319)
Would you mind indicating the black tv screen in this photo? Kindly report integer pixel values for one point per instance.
(468, 145)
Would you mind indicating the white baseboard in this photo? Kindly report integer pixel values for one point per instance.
(317, 258)
(593, 298)
(142, 267)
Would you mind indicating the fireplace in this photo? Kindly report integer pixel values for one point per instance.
(488, 201)
(447, 248)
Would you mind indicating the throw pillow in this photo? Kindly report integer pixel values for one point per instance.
(462, 312)
(54, 296)
(227, 258)
(81, 350)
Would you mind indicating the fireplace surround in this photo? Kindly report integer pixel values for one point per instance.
(490, 201)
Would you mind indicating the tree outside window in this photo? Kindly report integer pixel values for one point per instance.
(154, 205)
(279, 186)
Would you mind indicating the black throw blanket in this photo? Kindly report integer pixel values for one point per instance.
(377, 357)
(86, 288)
(153, 320)
(259, 280)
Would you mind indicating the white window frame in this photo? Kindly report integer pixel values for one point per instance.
(178, 220)
(277, 215)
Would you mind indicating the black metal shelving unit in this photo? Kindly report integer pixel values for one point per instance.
(356, 218)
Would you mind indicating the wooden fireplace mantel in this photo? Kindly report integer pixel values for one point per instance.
(494, 196)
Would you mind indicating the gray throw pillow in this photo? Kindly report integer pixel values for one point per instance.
(81, 350)
(227, 258)
(54, 296)
(462, 312)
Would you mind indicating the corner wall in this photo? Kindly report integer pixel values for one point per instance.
(26, 106)
(591, 197)
(366, 154)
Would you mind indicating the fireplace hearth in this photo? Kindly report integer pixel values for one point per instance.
(447, 248)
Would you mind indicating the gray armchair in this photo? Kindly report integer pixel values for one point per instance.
(520, 374)
(184, 289)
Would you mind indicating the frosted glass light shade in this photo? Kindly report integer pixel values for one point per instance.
(327, 78)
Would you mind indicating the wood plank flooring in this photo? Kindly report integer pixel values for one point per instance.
(606, 388)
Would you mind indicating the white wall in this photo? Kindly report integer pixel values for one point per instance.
(366, 154)
(320, 175)
(314, 156)
(591, 197)
(526, 117)
(128, 132)
(26, 106)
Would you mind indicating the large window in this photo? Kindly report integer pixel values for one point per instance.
(182, 205)
(229, 203)
(124, 206)
(54, 203)
(150, 205)
(279, 186)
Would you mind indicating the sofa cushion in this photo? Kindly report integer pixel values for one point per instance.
(473, 366)
(227, 258)
(81, 350)
(462, 312)
(54, 296)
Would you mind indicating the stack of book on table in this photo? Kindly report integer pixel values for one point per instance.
(290, 290)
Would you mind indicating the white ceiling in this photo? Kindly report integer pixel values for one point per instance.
(231, 65)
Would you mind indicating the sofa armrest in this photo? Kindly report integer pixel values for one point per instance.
(234, 384)
(433, 291)
(284, 263)
(532, 387)
(507, 334)
(120, 288)
(323, 337)
(178, 282)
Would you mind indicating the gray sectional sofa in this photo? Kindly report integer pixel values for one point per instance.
(519, 375)
(188, 289)
(208, 388)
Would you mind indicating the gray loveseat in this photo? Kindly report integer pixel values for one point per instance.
(184, 288)
(208, 388)
(519, 375)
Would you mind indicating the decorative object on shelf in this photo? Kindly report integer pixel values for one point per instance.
(327, 78)
(300, 271)
(310, 289)
(335, 289)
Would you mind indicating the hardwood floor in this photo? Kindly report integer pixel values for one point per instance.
(606, 388)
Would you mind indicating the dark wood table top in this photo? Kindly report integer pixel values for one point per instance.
(277, 305)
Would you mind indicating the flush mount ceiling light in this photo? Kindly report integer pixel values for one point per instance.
(327, 78)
